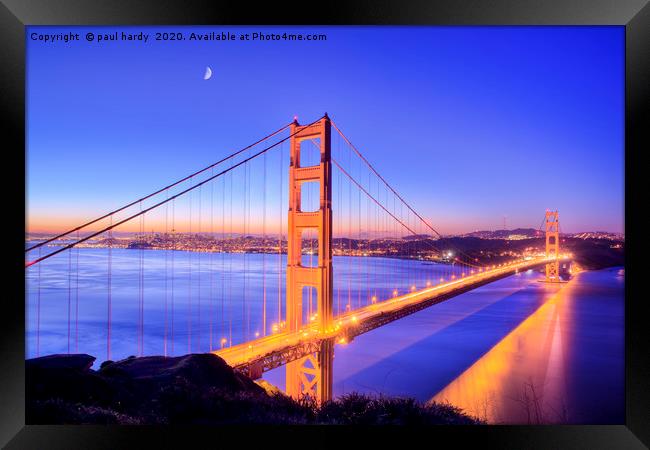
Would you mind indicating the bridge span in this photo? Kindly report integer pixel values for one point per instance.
(258, 356)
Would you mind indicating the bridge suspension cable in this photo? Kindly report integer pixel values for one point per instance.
(144, 211)
(153, 194)
(371, 196)
(399, 196)
(383, 179)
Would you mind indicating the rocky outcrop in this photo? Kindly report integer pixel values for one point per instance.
(66, 377)
(141, 387)
(203, 369)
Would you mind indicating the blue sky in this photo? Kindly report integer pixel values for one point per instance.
(469, 123)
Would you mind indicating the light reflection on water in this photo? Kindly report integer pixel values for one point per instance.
(522, 379)
(563, 364)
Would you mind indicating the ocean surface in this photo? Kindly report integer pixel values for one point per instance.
(514, 351)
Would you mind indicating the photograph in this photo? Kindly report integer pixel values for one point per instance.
(325, 225)
(393, 224)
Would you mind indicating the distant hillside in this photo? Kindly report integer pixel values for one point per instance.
(417, 237)
(517, 233)
(588, 253)
(600, 235)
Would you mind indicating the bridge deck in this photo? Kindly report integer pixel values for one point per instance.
(277, 349)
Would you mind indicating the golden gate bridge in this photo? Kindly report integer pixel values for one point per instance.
(350, 255)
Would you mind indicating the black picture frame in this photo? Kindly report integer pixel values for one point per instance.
(634, 15)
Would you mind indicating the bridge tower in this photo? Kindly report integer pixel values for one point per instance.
(553, 247)
(312, 374)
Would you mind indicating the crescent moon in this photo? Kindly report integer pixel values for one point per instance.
(208, 73)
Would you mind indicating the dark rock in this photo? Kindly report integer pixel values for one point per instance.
(66, 377)
(105, 364)
(200, 369)
(81, 362)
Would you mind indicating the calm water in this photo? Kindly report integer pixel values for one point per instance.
(514, 351)
(189, 301)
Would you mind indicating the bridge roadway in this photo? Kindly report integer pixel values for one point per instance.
(266, 353)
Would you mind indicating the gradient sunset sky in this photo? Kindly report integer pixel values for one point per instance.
(470, 123)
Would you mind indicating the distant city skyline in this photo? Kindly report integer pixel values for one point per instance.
(597, 234)
(470, 123)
